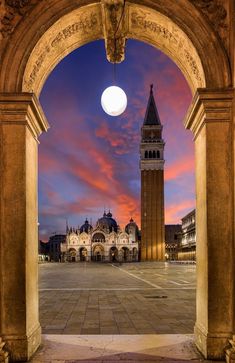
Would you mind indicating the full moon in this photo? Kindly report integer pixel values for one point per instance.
(114, 101)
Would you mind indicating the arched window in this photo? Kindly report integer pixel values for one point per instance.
(98, 237)
(146, 154)
(154, 154)
(150, 154)
(158, 154)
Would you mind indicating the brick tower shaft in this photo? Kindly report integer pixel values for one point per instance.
(152, 185)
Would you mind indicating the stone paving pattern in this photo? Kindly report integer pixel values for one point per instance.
(134, 298)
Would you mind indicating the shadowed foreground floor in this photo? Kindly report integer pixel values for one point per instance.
(117, 348)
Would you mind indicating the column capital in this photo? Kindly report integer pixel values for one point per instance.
(23, 109)
(209, 105)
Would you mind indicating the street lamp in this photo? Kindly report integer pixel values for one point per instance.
(114, 101)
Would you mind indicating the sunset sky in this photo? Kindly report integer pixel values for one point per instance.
(88, 160)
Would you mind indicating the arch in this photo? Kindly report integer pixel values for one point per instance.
(154, 154)
(98, 253)
(146, 154)
(83, 254)
(134, 254)
(98, 237)
(72, 255)
(113, 254)
(158, 154)
(125, 253)
(150, 154)
(42, 40)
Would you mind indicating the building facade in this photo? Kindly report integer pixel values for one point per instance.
(152, 185)
(187, 247)
(105, 242)
(43, 251)
(54, 247)
(173, 234)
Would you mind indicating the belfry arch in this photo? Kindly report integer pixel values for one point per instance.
(36, 40)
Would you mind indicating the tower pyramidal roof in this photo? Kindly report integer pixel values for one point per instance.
(151, 115)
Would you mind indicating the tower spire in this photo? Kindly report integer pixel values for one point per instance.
(151, 115)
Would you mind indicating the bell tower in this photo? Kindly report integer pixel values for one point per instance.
(152, 185)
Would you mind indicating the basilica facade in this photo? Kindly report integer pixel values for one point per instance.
(105, 242)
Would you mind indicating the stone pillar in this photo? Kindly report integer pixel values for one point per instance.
(21, 122)
(210, 118)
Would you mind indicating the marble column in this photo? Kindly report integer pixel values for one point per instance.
(210, 118)
(21, 122)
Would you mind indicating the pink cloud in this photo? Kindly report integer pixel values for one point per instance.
(180, 167)
(174, 212)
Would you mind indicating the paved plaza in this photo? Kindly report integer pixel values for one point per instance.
(134, 298)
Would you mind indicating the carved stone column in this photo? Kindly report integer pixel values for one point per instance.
(21, 122)
(211, 121)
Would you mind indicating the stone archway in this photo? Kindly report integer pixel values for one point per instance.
(134, 254)
(113, 254)
(72, 255)
(125, 254)
(98, 253)
(36, 36)
(83, 254)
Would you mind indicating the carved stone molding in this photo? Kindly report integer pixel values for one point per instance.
(209, 106)
(230, 351)
(216, 13)
(68, 33)
(12, 12)
(114, 15)
(4, 357)
(168, 37)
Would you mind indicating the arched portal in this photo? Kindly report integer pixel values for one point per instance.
(134, 254)
(72, 255)
(113, 254)
(34, 39)
(98, 253)
(125, 254)
(83, 254)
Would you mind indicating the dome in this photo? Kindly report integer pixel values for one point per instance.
(107, 222)
(86, 227)
(130, 225)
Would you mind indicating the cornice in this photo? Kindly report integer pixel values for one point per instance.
(209, 106)
(24, 109)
